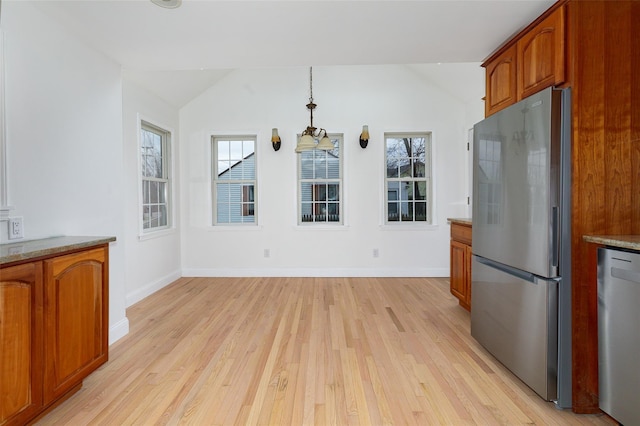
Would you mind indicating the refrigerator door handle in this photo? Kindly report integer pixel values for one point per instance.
(527, 276)
(555, 236)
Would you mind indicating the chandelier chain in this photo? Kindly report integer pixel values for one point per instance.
(311, 84)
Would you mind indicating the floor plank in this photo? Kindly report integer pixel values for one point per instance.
(304, 351)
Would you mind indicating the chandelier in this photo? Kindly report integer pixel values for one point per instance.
(307, 141)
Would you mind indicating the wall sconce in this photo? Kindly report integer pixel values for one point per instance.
(307, 141)
(275, 139)
(364, 137)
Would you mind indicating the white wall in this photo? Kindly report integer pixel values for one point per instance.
(387, 98)
(72, 129)
(151, 261)
(64, 139)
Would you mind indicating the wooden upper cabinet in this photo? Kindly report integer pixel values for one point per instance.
(501, 81)
(20, 343)
(532, 61)
(75, 317)
(541, 55)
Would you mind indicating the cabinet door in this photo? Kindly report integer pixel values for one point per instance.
(467, 263)
(76, 319)
(459, 275)
(541, 55)
(20, 342)
(501, 82)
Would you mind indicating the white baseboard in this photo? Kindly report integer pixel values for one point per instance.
(151, 288)
(325, 272)
(118, 330)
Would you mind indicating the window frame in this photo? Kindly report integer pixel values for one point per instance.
(317, 183)
(166, 179)
(428, 179)
(245, 204)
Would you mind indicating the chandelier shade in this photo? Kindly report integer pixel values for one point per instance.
(325, 143)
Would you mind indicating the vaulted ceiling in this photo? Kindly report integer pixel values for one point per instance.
(202, 40)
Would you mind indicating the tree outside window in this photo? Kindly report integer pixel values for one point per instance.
(154, 166)
(408, 178)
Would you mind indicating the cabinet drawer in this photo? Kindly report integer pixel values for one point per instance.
(461, 233)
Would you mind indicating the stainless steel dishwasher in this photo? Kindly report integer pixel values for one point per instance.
(619, 334)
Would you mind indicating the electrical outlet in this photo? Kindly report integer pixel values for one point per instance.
(376, 252)
(16, 230)
(267, 253)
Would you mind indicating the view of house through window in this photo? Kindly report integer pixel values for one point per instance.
(320, 184)
(234, 179)
(408, 177)
(154, 156)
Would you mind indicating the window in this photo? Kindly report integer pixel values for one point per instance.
(408, 178)
(320, 185)
(156, 186)
(234, 180)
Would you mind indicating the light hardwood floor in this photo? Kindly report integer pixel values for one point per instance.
(303, 351)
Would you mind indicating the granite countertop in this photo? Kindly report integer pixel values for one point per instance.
(460, 220)
(31, 249)
(631, 242)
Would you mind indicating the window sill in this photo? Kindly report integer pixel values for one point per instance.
(323, 227)
(234, 228)
(156, 234)
(408, 227)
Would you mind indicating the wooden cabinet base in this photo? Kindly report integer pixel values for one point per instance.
(55, 403)
(460, 272)
(54, 318)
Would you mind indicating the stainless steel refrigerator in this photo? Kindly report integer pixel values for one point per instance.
(521, 271)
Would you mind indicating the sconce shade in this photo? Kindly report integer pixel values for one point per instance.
(275, 139)
(364, 137)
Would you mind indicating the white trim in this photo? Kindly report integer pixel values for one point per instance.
(316, 272)
(342, 202)
(321, 226)
(149, 289)
(410, 226)
(118, 330)
(212, 155)
(429, 180)
(4, 191)
(172, 210)
(157, 234)
(234, 227)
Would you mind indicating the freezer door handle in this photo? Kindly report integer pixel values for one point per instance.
(527, 276)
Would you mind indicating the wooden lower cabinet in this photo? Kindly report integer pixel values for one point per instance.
(53, 330)
(460, 273)
(20, 343)
(76, 333)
